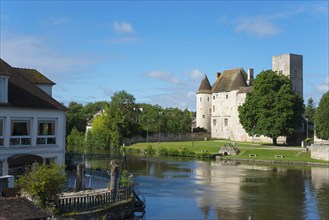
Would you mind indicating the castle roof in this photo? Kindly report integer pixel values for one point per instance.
(230, 80)
(205, 86)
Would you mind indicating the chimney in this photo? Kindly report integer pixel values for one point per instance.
(218, 75)
(250, 76)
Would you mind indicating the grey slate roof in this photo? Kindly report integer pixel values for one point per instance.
(230, 80)
(22, 91)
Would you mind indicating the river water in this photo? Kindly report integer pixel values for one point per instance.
(192, 189)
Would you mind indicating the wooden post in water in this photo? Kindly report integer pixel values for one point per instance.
(79, 178)
(114, 176)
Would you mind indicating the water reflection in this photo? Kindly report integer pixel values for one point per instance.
(187, 189)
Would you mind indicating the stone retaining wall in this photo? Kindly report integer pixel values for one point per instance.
(320, 151)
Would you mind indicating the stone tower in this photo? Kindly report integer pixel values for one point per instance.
(290, 65)
(203, 105)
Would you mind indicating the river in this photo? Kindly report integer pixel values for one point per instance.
(191, 189)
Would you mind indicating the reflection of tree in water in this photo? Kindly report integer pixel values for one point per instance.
(279, 194)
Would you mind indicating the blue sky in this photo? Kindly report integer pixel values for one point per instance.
(159, 51)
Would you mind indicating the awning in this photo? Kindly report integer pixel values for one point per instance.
(23, 159)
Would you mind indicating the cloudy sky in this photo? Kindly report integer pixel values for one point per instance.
(159, 51)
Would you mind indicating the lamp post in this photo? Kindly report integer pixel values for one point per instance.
(306, 127)
(159, 126)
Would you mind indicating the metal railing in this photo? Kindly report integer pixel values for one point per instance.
(92, 201)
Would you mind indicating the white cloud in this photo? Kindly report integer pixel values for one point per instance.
(122, 27)
(257, 25)
(324, 87)
(164, 76)
(195, 74)
(33, 52)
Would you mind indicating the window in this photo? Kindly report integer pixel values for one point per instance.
(1, 131)
(203, 116)
(214, 122)
(226, 96)
(213, 97)
(20, 132)
(225, 122)
(46, 132)
(213, 108)
(200, 99)
(208, 99)
(2, 90)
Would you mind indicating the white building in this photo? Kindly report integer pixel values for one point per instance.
(32, 123)
(217, 105)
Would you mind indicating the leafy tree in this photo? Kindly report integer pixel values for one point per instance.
(272, 109)
(120, 117)
(75, 118)
(310, 110)
(44, 184)
(90, 109)
(76, 139)
(321, 118)
(100, 133)
(149, 118)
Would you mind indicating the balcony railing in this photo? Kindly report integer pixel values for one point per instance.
(20, 141)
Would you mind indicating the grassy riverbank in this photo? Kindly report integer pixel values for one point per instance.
(205, 149)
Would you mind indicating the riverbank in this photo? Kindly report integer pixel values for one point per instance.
(257, 152)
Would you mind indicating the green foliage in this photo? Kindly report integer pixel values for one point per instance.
(310, 110)
(78, 115)
(124, 181)
(150, 150)
(321, 118)
(76, 139)
(44, 184)
(100, 133)
(272, 109)
(120, 117)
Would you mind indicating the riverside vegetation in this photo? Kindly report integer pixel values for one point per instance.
(207, 149)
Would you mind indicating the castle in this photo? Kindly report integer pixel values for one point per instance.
(217, 105)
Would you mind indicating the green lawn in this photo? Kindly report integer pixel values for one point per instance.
(207, 148)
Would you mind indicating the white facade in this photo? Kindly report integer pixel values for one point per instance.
(203, 105)
(32, 124)
(229, 92)
(38, 144)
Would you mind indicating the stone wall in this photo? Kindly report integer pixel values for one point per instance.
(320, 151)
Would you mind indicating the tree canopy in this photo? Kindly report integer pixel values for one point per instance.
(272, 109)
(321, 118)
(310, 110)
(122, 118)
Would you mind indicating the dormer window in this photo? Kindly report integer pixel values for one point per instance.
(3, 89)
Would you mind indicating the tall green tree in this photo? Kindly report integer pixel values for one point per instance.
(100, 133)
(75, 118)
(149, 118)
(321, 118)
(272, 109)
(310, 110)
(76, 140)
(44, 184)
(120, 117)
